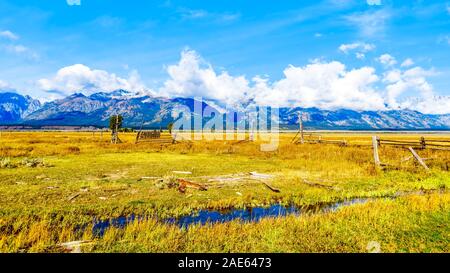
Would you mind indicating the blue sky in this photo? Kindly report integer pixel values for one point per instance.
(188, 47)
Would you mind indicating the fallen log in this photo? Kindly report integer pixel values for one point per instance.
(183, 184)
(270, 187)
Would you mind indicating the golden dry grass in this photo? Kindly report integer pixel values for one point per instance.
(36, 209)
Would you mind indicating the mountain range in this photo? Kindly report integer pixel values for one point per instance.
(155, 112)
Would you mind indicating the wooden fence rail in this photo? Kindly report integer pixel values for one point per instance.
(154, 136)
(422, 143)
(410, 145)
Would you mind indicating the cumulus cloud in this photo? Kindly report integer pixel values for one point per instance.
(387, 60)
(328, 85)
(428, 105)
(73, 2)
(192, 77)
(80, 78)
(324, 85)
(413, 79)
(8, 35)
(321, 84)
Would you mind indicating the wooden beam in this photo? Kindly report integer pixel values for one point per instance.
(270, 187)
(117, 129)
(376, 156)
(137, 137)
(292, 141)
(423, 142)
(418, 158)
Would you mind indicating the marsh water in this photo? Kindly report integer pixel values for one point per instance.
(253, 214)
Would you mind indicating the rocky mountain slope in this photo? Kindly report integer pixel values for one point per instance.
(95, 110)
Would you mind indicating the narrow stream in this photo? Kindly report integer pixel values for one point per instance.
(245, 215)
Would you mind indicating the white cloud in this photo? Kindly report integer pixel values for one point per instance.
(374, 2)
(8, 35)
(387, 60)
(318, 35)
(370, 23)
(448, 8)
(80, 78)
(413, 79)
(392, 76)
(15, 48)
(362, 47)
(359, 47)
(4, 85)
(323, 85)
(193, 77)
(73, 2)
(408, 62)
(428, 105)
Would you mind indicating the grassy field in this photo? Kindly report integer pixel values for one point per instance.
(54, 183)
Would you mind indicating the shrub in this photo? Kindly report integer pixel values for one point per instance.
(33, 162)
(167, 182)
(73, 149)
(6, 163)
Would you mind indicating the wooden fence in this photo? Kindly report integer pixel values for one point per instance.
(317, 139)
(422, 143)
(154, 136)
(411, 145)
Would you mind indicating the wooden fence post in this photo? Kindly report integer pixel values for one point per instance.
(137, 137)
(423, 143)
(376, 156)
